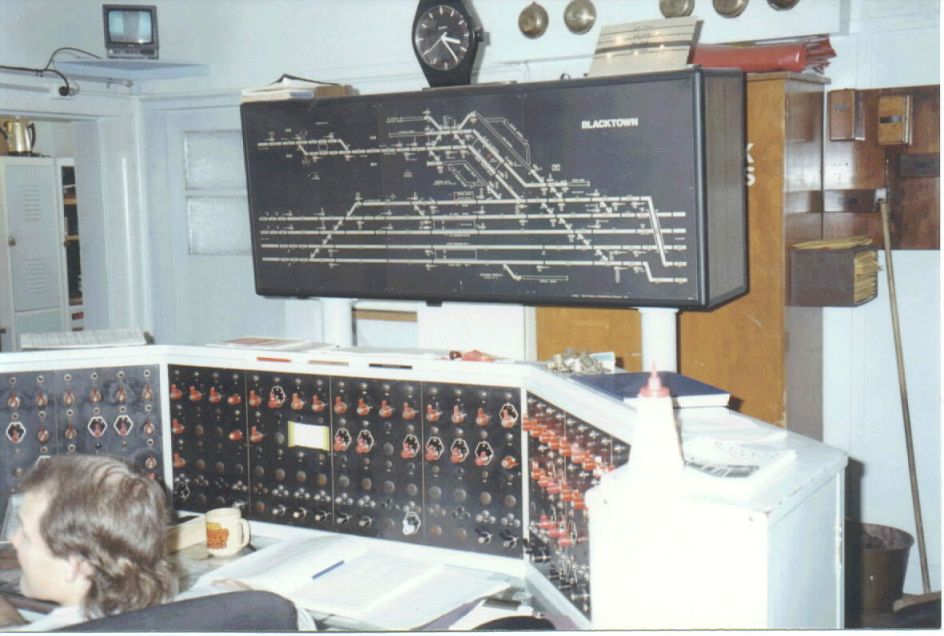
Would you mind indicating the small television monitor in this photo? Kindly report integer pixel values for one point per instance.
(130, 31)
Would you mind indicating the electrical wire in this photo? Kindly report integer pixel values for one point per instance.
(64, 91)
(52, 57)
(39, 72)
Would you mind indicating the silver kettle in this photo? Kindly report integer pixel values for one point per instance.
(20, 136)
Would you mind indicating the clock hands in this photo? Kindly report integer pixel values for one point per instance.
(435, 44)
(445, 40)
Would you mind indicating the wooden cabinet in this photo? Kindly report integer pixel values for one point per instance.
(743, 346)
(587, 329)
(32, 255)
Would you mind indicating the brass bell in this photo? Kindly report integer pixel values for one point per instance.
(532, 21)
(579, 16)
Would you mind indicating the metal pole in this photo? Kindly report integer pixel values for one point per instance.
(903, 388)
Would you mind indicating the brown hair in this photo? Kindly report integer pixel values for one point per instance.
(110, 514)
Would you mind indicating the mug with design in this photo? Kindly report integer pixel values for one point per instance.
(226, 531)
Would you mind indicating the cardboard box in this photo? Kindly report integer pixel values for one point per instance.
(833, 277)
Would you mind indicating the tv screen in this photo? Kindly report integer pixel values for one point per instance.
(130, 31)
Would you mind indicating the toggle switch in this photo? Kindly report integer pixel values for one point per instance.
(483, 536)
(508, 540)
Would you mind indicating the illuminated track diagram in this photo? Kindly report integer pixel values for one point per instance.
(497, 209)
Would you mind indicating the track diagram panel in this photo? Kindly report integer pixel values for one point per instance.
(565, 192)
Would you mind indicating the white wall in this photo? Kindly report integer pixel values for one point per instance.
(862, 406)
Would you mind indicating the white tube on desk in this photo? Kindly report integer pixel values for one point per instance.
(337, 320)
(659, 328)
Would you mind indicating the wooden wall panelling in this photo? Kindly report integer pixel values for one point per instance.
(591, 330)
(741, 346)
(859, 166)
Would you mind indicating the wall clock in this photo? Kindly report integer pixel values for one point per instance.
(446, 37)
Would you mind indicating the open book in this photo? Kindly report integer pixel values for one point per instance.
(339, 576)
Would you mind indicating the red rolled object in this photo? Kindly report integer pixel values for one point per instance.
(752, 59)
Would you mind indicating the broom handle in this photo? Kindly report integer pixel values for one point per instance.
(903, 388)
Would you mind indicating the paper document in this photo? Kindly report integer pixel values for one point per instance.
(340, 577)
(87, 339)
(746, 463)
(266, 342)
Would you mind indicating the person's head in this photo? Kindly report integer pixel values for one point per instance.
(92, 533)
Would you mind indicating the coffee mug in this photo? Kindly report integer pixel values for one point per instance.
(226, 531)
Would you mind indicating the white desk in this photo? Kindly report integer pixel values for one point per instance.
(518, 598)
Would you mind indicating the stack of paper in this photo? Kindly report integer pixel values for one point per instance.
(865, 283)
(338, 576)
(291, 88)
(87, 339)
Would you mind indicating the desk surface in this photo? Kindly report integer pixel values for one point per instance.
(193, 562)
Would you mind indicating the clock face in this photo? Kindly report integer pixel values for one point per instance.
(442, 37)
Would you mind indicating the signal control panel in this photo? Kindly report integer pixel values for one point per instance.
(567, 457)
(429, 463)
(110, 410)
(210, 445)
